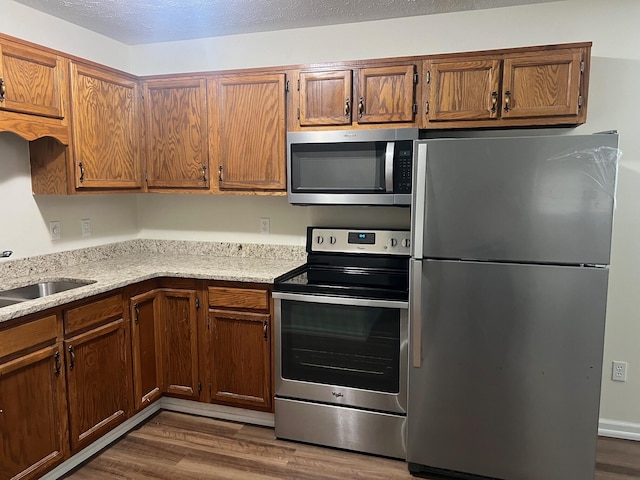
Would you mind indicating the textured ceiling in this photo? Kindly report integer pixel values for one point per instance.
(151, 21)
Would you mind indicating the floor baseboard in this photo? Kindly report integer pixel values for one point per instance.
(616, 429)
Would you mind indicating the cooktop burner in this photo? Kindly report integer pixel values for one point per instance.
(354, 263)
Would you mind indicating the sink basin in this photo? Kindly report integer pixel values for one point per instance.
(7, 302)
(37, 290)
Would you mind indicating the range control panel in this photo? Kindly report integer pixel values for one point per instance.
(344, 240)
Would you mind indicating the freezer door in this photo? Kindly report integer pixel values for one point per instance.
(506, 382)
(525, 199)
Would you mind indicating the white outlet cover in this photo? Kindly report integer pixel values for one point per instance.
(85, 224)
(265, 226)
(619, 371)
(54, 229)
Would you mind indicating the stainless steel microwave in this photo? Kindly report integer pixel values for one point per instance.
(347, 167)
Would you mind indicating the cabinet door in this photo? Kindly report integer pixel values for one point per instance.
(462, 90)
(543, 84)
(177, 133)
(241, 358)
(250, 116)
(386, 94)
(325, 98)
(33, 414)
(146, 339)
(31, 81)
(180, 343)
(106, 136)
(98, 381)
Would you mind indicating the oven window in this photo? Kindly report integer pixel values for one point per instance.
(341, 345)
(338, 167)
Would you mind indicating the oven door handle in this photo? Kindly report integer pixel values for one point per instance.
(358, 302)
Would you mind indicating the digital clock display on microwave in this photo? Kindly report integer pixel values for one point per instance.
(362, 238)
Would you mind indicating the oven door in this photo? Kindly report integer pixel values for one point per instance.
(341, 350)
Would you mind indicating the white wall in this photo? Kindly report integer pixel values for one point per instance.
(613, 104)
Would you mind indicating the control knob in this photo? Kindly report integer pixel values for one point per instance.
(393, 242)
(319, 239)
(332, 240)
(406, 243)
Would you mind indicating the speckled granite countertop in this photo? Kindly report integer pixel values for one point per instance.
(123, 270)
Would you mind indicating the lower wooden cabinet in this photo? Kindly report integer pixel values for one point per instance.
(240, 346)
(98, 369)
(33, 414)
(179, 333)
(146, 340)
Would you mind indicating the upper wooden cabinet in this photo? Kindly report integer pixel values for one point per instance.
(31, 81)
(106, 120)
(34, 91)
(176, 133)
(248, 131)
(541, 87)
(372, 95)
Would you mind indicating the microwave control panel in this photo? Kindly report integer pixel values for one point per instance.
(402, 166)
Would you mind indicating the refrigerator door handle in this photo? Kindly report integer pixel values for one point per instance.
(415, 311)
(420, 200)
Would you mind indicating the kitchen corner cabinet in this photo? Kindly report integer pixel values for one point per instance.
(176, 133)
(248, 131)
(146, 340)
(98, 369)
(535, 87)
(180, 304)
(33, 409)
(384, 94)
(240, 345)
(106, 118)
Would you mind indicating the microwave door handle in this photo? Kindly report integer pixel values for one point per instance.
(388, 167)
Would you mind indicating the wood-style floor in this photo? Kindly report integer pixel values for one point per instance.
(175, 446)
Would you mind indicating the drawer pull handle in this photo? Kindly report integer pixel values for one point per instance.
(360, 107)
(494, 101)
(347, 107)
(57, 367)
(3, 89)
(72, 353)
(137, 310)
(265, 327)
(507, 100)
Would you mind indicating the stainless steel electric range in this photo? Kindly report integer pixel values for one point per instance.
(341, 326)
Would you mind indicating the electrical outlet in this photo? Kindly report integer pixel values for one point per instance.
(619, 371)
(264, 226)
(54, 230)
(85, 224)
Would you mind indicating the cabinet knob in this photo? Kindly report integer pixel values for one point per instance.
(220, 173)
(3, 89)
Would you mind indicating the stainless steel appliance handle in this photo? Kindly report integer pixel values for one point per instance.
(388, 166)
(358, 302)
(419, 200)
(415, 311)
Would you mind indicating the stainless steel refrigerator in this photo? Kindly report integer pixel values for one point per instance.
(511, 241)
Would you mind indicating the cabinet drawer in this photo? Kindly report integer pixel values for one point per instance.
(256, 299)
(28, 335)
(93, 313)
